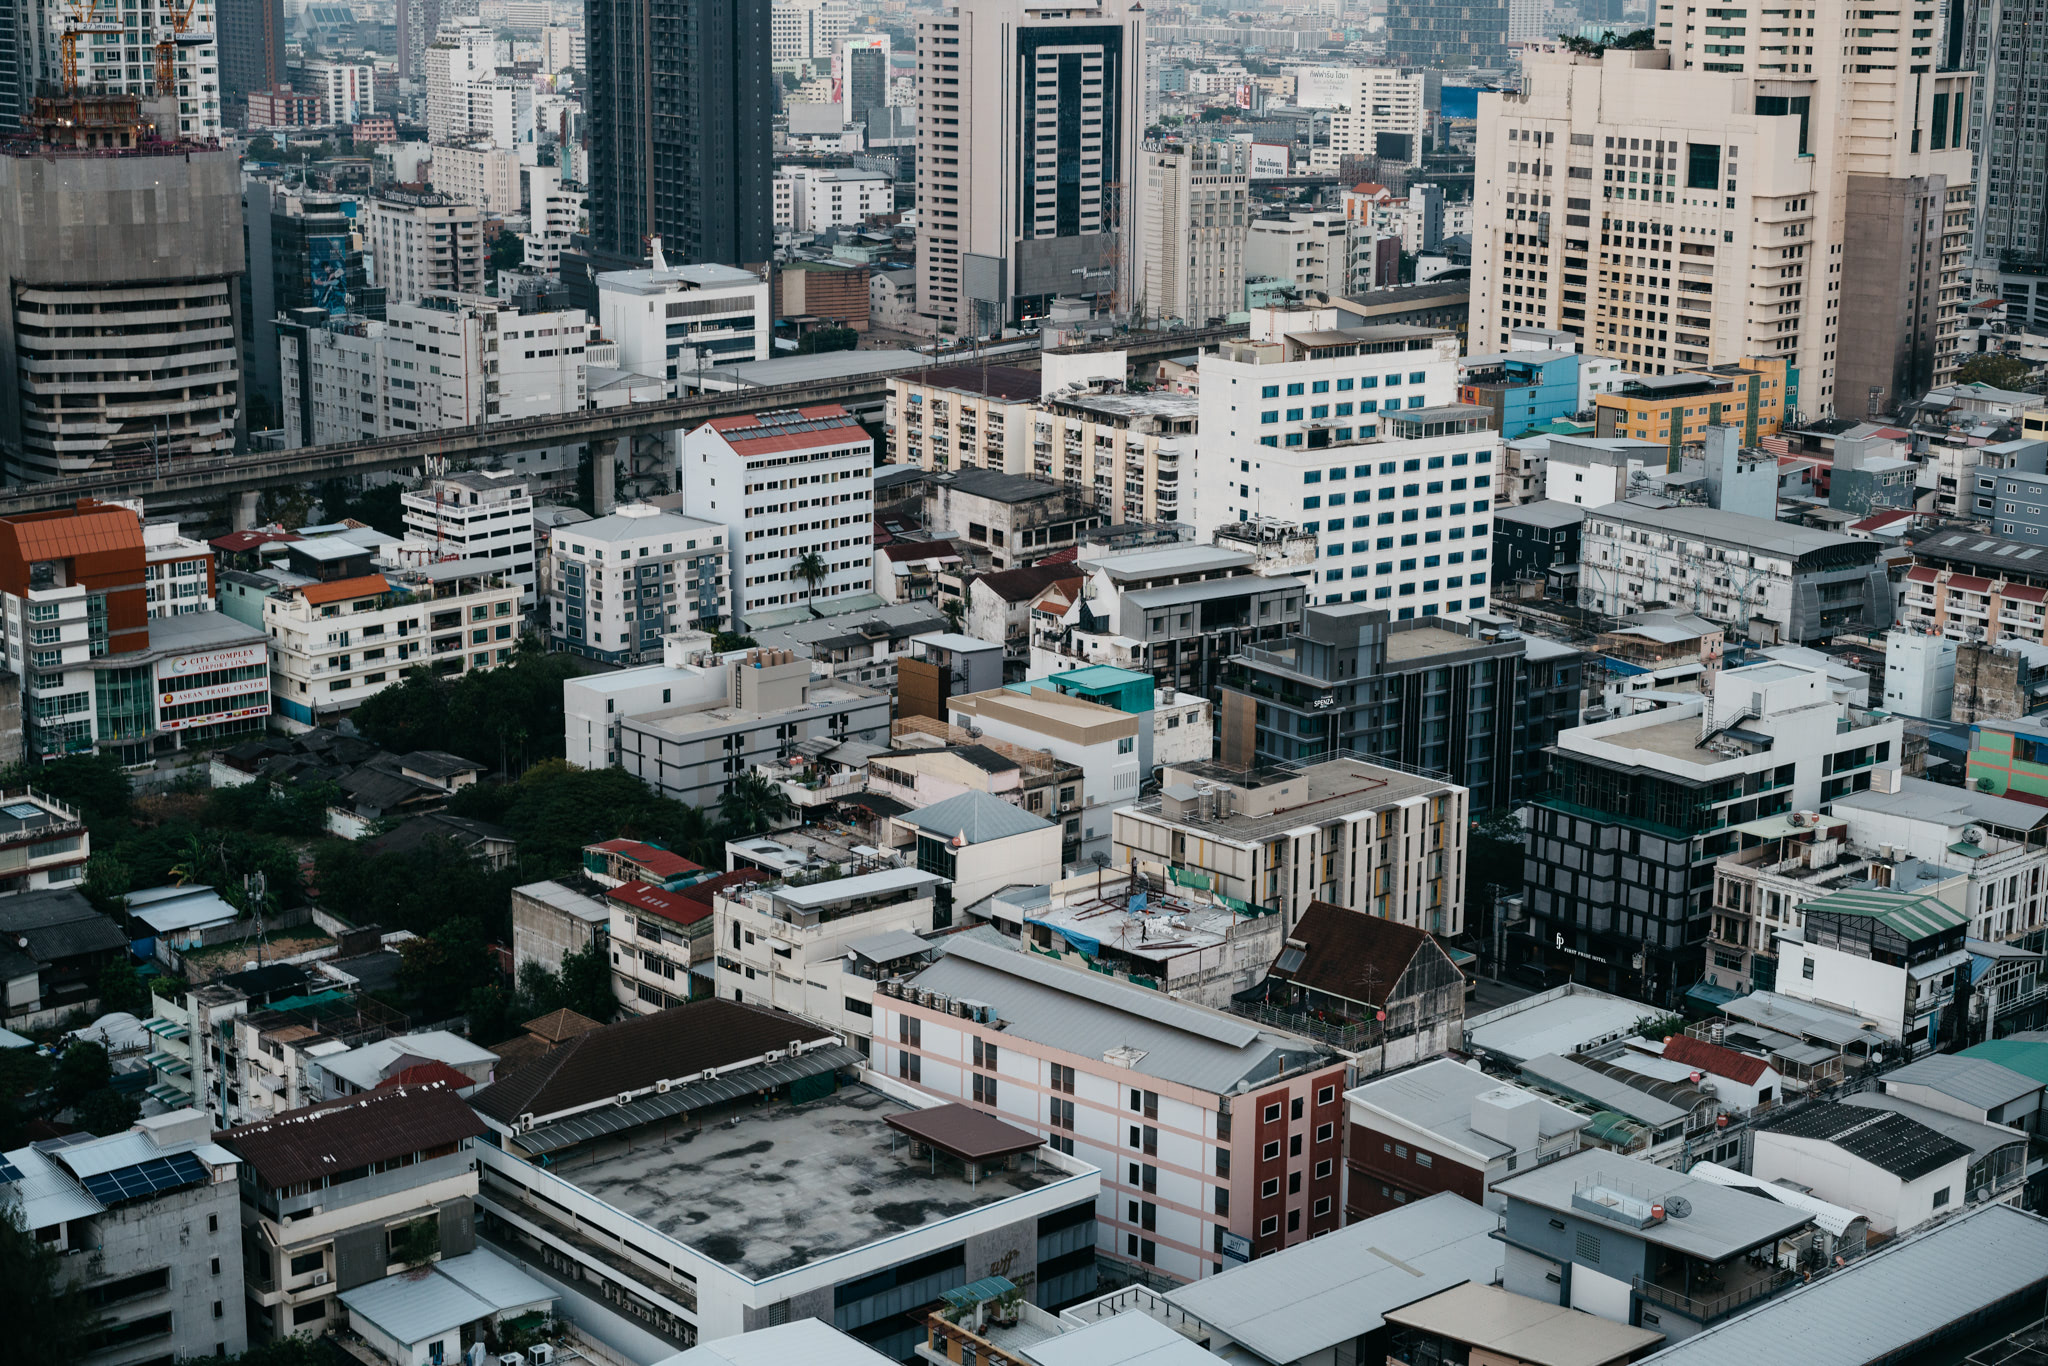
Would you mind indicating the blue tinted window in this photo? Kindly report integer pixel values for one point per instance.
(1369, 382)
(1343, 386)
(1393, 381)
(1294, 414)
(1436, 462)
(1312, 501)
(1416, 401)
(1265, 418)
(1417, 377)
(1343, 410)
(1321, 386)
(1336, 500)
(1386, 591)
(1312, 477)
(1294, 438)
(1319, 410)
(1338, 473)
(1293, 389)
(1270, 391)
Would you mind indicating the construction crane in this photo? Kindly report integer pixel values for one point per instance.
(167, 46)
(82, 21)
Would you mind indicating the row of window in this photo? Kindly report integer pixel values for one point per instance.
(1344, 386)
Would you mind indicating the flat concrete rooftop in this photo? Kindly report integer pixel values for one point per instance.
(790, 1184)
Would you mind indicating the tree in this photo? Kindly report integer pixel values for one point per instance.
(94, 784)
(810, 567)
(955, 613)
(587, 982)
(82, 1070)
(107, 1111)
(122, 988)
(49, 1316)
(2000, 372)
(107, 883)
(827, 339)
(508, 251)
(753, 803)
(732, 640)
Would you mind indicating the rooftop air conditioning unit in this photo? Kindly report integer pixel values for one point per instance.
(624, 1098)
(319, 1278)
(796, 1046)
(664, 1086)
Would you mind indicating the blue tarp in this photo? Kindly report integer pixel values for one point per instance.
(1091, 947)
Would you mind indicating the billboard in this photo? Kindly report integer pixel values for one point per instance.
(327, 264)
(184, 669)
(1269, 160)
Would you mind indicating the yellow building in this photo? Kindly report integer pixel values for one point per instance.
(1755, 393)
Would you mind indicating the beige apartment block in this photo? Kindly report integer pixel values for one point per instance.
(1734, 193)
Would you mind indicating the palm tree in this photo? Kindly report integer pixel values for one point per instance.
(810, 567)
(753, 804)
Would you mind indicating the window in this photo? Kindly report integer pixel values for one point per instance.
(1126, 744)
(1324, 1168)
(1269, 1188)
(1062, 1113)
(1806, 968)
(1062, 1078)
(909, 1029)
(1424, 1160)
(909, 1066)
(984, 1055)
(1322, 1207)
(306, 1263)
(1269, 1224)
(984, 1090)
(1326, 1095)
(1294, 1108)
(1222, 1202)
(306, 1313)
(1324, 1131)
(1941, 1197)
(1271, 1152)
(1273, 1113)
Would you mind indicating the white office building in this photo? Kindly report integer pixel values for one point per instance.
(481, 172)
(675, 320)
(789, 484)
(555, 212)
(1310, 247)
(806, 30)
(466, 98)
(1354, 434)
(1384, 115)
(812, 199)
(447, 361)
(348, 88)
(121, 58)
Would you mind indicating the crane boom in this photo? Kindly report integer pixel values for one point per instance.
(81, 21)
(167, 50)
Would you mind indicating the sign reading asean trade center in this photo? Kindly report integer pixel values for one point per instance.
(178, 682)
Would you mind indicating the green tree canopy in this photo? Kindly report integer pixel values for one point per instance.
(49, 1318)
(2000, 372)
(507, 717)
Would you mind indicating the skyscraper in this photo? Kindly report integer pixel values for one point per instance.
(251, 43)
(125, 63)
(1713, 198)
(418, 23)
(1444, 34)
(681, 113)
(1192, 217)
(1029, 123)
(2007, 42)
(863, 75)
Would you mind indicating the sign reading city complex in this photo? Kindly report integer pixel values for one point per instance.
(212, 677)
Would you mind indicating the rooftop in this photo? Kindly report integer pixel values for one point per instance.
(1977, 1082)
(1437, 1097)
(1891, 1142)
(1734, 528)
(317, 1141)
(1009, 382)
(1519, 1328)
(1543, 512)
(1328, 789)
(1889, 1302)
(1351, 954)
(787, 1185)
(414, 1306)
(811, 1342)
(1719, 1224)
(975, 817)
(1185, 557)
(1566, 1019)
(1090, 1015)
(1290, 1305)
(1158, 926)
(637, 522)
(1911, 917)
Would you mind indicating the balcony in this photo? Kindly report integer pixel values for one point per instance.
(1705, 1291)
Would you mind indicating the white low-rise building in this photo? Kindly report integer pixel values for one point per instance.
(479, 172)
(812, 199)
(334, 643)
(673, 320)
(817, 951)
(486, 515)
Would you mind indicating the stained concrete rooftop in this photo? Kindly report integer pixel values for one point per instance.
(790, 1184)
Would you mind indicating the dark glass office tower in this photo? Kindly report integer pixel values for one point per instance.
(681, 114)
(1447, 34)
(251, 34)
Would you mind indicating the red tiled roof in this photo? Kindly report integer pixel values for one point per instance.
(1887, 518)
(670, 906)
(1923, 573)
(2019, 592)
(367, 586)
(1026, 581)
(1687, 1051)
(1064, 555)
(90, 531)
(657, 861)
(423, 1073)
(747, 436)
(1969, 583)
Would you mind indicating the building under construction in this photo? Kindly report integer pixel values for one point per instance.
(120, 272)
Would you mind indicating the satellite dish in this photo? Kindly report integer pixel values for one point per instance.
(1678, 1207)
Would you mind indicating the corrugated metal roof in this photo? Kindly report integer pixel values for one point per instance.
(81, 533)
(1832, 1218)
(1887, 1301)
(1292, 1304)
(1128, 1339)
(1089, 1014)
(1562, 1074)
(666, 1105)
(1721, 1223)
(975, 816)
(1914, 917)
(413, 1308)
(1978, 1082)
(369, 585)
(46, 1194)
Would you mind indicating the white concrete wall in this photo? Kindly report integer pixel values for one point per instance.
(1876, 991)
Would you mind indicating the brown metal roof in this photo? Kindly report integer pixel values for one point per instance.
(634, 1054)
(339, 1135)
(1351, 954)
(965, 1132)
(85, 533)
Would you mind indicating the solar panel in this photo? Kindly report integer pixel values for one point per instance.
(9, 1173)
(146, 1178)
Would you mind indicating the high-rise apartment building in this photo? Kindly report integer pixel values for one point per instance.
(348, 90)
(1713, 198)
(304, 252)
(425, 244)
(1193, 212)
(1022, 197)
(419, 21)
(158, 274)
(466, 98)
(1355, 435)
(251, 43)
(2007, 42)
(1442, 35)
(681, 111)
(1384, 115)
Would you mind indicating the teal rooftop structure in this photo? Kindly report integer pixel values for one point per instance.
(1126, 690)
